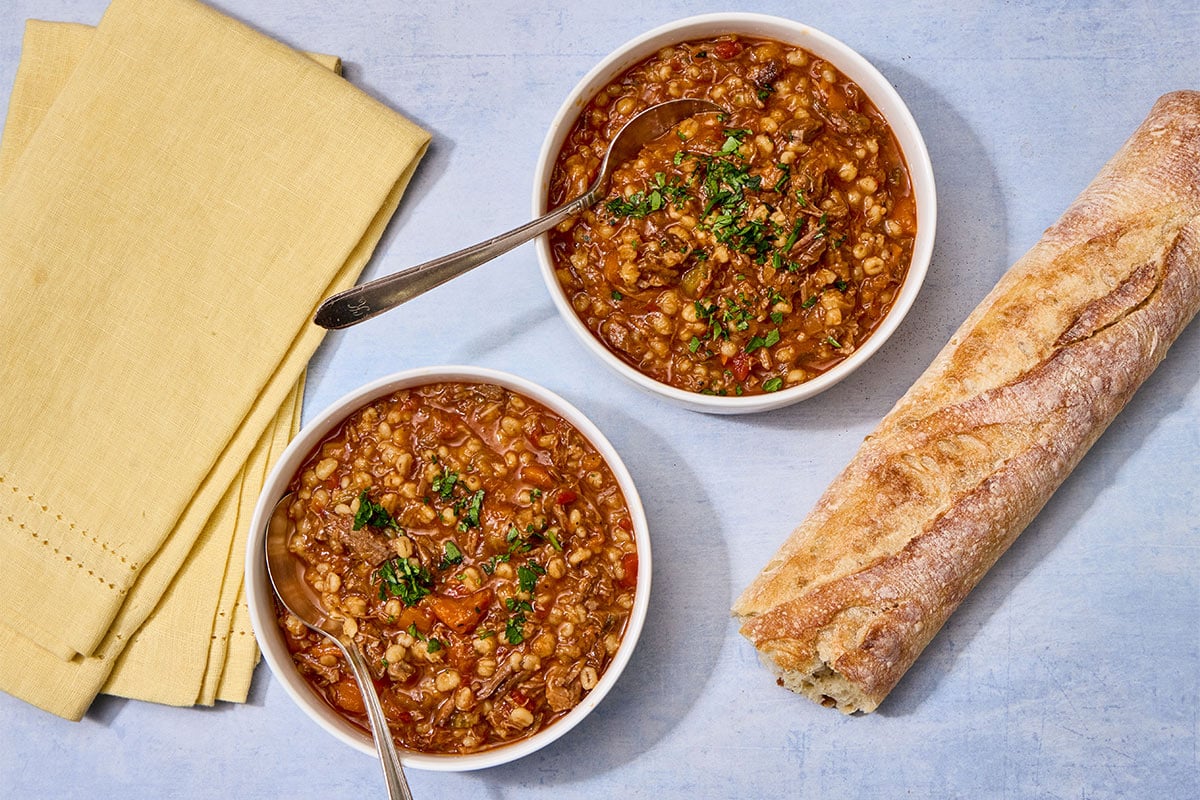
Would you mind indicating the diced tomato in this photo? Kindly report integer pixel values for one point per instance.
(629, 562)
(739, 365)
(518, 698)
(346, 696)
(461, 614)
(566, 497)
(726, 49)
(625, 524)
(538, 475)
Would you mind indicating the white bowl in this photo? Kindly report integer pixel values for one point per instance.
(260, 595)
(853, 66)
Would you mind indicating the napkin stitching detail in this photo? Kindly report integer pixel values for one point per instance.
(79, 563)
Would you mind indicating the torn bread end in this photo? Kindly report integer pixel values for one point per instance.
(823, 684)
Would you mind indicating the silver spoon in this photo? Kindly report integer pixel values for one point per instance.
(283, 570)
(370, 299)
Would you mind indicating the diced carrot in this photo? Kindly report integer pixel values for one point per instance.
(412, 615)
(461, 614)
(346, 696)
(538, 475)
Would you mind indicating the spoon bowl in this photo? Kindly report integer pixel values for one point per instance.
(382, 294)
(284, 573)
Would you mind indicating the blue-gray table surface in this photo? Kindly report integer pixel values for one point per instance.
(1071, 672)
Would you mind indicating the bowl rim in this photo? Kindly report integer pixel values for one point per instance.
(259, 592)
(850, 63)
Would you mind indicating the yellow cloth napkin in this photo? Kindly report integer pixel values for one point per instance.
(166, 230)
(173, 634)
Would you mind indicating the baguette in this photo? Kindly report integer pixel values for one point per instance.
(971, 453)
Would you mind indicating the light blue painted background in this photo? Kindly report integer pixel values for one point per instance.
(1073, 670)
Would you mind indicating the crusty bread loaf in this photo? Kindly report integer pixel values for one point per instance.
(975, 448)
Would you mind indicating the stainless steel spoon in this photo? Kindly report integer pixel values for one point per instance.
(370, 299)
(300, 600)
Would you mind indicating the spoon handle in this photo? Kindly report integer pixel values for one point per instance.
(370, 299)
(393, 772)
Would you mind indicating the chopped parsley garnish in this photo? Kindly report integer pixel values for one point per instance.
(444, 484)
(810, 302)
(399, 577)
(708, 313)
(772, 338)
(832, 341)
(528, 574)
(516, 544)
(553, 539)
(672, 189)
(451, 555)
(636, 206)
(777, 317)
(640, 204)
(794, 235)
(432, 645)
(468, 510)
(372, 514)
(617, 295)
(732, 143)
(489, 566)
(514, 629)
(781, 184)
(772, 384)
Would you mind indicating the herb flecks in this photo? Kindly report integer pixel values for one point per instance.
(468, 510)
(528, 574)
(432, 645)
(451, 555)
(756, 342)
(405, 579)
(373, 514)
(514, 628)
(661, 192)
(444, 484)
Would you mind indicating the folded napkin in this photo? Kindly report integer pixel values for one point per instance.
(178, 193)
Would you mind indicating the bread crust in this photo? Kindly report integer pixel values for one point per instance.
(975, 448)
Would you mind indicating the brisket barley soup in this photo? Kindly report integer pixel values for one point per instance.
(743, 252)
(477, 548)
